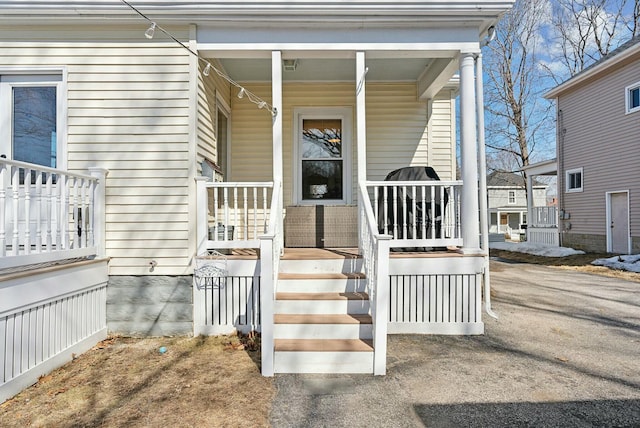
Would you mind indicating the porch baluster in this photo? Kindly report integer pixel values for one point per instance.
(27, 210)
(404, 211)
(59, 201)
(423, 234)
(414, 210)
(15, 187)
(72, 238)
(255, 211)
(216, 201)
(432, 210)
(38, 247)
(264, 209)
(235, 222)
(245, 222)
(3, 207)
(225, 201)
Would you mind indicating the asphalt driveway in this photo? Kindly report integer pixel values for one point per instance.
(564, 353)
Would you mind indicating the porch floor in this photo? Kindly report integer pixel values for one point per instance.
(339, 253)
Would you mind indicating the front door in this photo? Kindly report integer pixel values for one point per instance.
(618, 227)
(322, 161)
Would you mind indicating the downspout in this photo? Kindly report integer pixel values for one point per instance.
(482, 167)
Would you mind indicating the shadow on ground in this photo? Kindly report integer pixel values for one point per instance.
(604, 413)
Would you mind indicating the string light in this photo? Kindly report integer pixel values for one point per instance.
(149, 33)
(207, 69)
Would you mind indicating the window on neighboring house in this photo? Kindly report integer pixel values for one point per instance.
(31, 109)
(574, 178)
(633, 98)
(512, 197)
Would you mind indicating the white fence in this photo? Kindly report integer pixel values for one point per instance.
(47, 214)
(417, 213)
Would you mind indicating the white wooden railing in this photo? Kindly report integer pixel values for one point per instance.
(375, 252)
(48, 214)
(544, 217)
(238, 213)
(271, 247)
(543, 228)
(417, 213)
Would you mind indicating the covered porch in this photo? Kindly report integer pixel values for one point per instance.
(322, 142)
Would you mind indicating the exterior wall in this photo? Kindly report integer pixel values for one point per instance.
(209, 90)
(143, 306)
(599, 137)
(128, 111)
(397, 130)
(499, 197)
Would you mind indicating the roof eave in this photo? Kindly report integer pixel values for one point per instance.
(591, 72)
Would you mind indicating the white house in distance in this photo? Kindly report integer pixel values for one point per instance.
(144, 135)
(598, 154)
(507, 202)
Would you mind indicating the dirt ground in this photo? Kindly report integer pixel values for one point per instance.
(579, 262)
(212, 381)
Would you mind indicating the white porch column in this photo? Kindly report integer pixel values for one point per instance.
(276, 102)
(361, 117)
(361, 129)
(469, 155)
(530, 201)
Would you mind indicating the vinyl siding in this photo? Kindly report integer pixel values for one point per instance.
(604, 141)
(397, 130)
(128, 111)
(208, 90)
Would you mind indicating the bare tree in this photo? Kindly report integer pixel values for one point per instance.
(587, 30)
(517, 113)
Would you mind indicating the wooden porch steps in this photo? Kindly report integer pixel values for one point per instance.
(322, 321)
(324, 345)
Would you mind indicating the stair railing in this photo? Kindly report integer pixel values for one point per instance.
(375, 252)
(271, 246)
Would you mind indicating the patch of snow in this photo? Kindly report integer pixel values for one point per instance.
(629, 263)
(535, 249)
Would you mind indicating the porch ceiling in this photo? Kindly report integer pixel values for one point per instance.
(327, 69)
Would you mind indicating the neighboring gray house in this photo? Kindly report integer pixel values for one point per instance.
(598, 116)
(507, 202)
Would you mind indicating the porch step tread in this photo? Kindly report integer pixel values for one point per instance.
(323, 345)
(325, 275)
(322, 319)
(320, 254)
(322, 296)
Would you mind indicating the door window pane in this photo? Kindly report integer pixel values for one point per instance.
(321, 138)
(322, 159)
(34, 134)
(321, 179)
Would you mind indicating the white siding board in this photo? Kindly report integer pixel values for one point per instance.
(128, 107)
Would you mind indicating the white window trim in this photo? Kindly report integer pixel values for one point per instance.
(566, 178)
(627, 98)
(344, 113)
(515, 197)
(36, 76)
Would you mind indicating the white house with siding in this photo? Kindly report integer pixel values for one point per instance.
(598, 120)
(262, 132)
(507, 201)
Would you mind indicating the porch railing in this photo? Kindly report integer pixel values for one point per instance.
(271, 247)
(375, 253)
(544, 217)
(48, 214)
(417, 213)
(238, 213)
